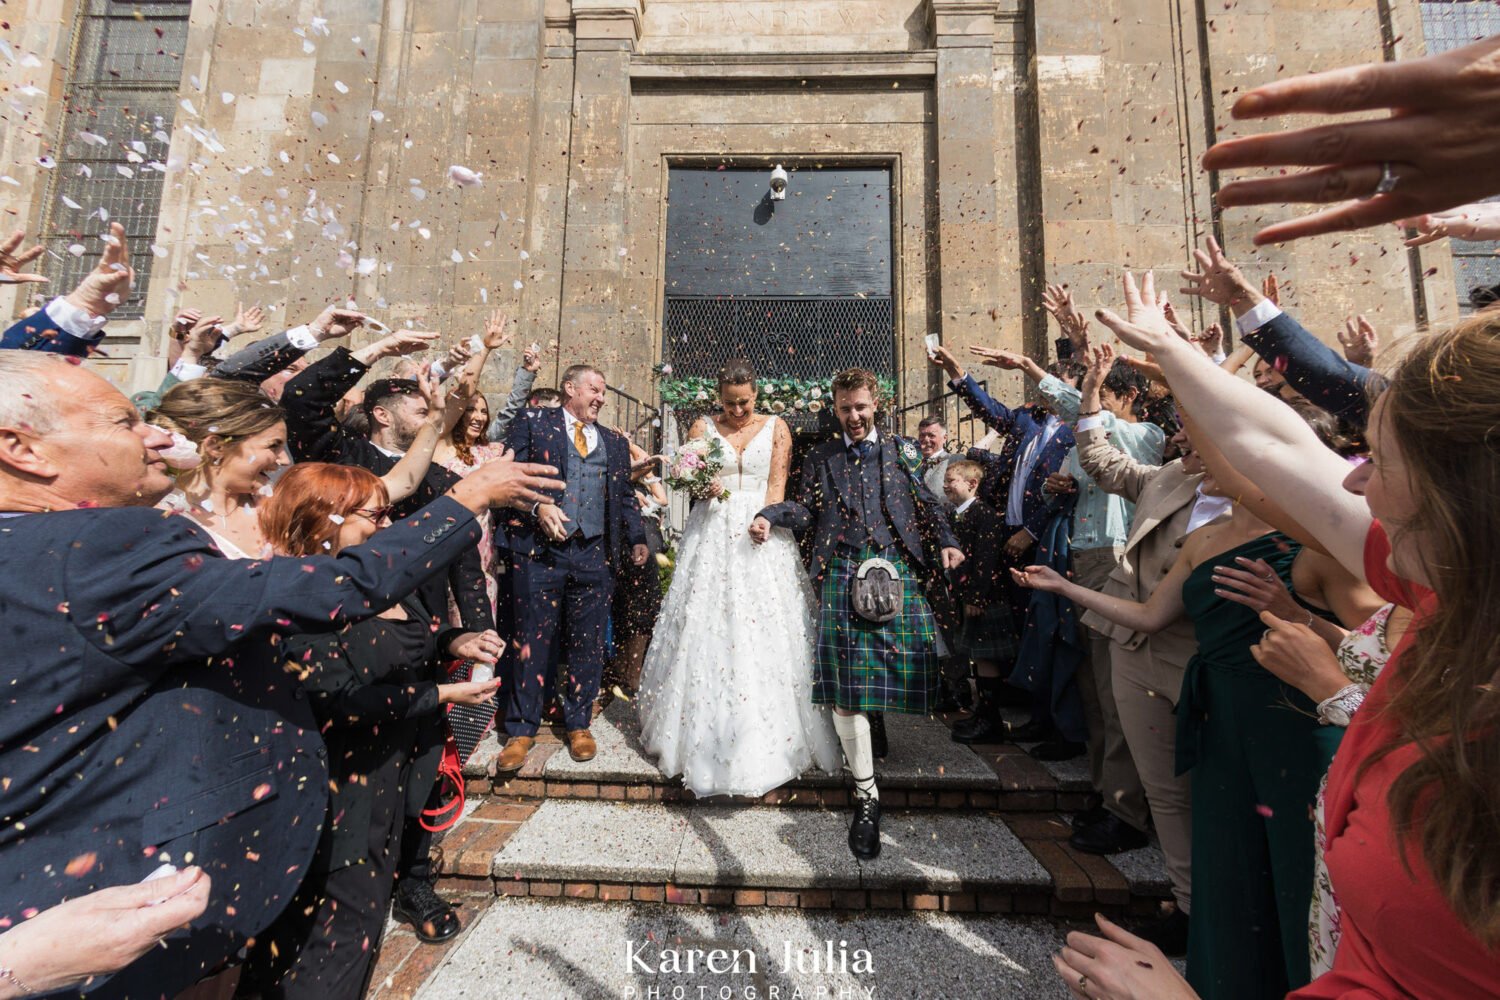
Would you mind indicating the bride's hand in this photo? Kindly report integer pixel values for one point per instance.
(760, 530)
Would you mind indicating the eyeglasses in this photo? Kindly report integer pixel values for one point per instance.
(375, 514)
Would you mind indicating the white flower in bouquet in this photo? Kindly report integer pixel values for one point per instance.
(694, 465)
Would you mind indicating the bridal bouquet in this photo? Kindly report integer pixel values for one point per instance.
(693, 467)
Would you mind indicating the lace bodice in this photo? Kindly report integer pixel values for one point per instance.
(747, 473)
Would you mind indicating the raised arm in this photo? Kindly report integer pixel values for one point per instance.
(443, 412)
(781, 463)
(1253, 430)
(1112, 470)
(995, 414)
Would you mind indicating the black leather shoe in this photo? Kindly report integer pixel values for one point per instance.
(879, 745)
(1030, 732)
(430, 915)
(864, 832)
(1110, 835)
(1169, 932)
(1089, 814)
(981, 729)
(1010, 696)
(1055, 750)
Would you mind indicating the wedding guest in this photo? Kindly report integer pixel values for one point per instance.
(370, 688)
(111, 782)
(988, 636)
(521, 393)
(72, 325)
(638, 597)
(544, 399)
(397, 411)
(932, 442)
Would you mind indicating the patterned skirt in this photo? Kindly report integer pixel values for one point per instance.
(863, 666)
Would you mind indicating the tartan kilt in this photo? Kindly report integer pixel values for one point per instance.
(990, 636)
(863, 666)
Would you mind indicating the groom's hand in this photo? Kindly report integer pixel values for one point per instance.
(952, 558)
(639, 554)
(760, 530)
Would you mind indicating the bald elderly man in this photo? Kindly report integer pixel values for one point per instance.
(146, 718)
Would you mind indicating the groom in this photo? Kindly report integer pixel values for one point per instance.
(874, 653)
(563, 556)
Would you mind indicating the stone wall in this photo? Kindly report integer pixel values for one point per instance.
(1029, 141)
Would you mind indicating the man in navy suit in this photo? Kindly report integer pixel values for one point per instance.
(148, 719)
(562, 554)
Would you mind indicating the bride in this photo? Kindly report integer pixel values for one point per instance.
(725, 697)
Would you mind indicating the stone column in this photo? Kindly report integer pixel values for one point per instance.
(968, 240)
(591, 312)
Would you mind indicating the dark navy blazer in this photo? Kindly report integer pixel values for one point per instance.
(38, 332)
(1325, 377)
(147, 714)
(1022, 423)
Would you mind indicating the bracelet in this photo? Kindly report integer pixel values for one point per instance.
(9, 975)
(1089, 413)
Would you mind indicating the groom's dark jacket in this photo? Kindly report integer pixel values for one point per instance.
(824, 502)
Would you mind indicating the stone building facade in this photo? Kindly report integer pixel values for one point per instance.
(298, 151)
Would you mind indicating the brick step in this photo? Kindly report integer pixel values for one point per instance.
(925, 770)
(740, 856)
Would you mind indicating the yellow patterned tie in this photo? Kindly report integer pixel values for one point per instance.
(580, 441)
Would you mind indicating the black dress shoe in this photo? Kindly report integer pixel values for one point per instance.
(1030, 732)
(864, 832)
(1169, 932)
(1010, 696)
(879, 745)
(981, 729)
(430, 915)
(1055, 750)
(1110, 835)
(1088, 817)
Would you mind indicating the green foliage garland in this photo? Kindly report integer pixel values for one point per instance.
(773, 395)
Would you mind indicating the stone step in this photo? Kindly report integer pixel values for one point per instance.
(925, 770)
(751, 856)
(556, 948)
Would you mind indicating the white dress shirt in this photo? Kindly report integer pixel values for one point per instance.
(590, 431)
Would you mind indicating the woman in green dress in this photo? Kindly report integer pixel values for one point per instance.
(1254, 746)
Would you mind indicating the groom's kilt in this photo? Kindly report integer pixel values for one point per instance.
(864, 666)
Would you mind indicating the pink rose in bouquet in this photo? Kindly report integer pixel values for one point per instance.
(693, 467)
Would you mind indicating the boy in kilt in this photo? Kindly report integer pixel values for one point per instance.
(877, 639)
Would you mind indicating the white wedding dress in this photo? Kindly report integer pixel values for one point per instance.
(726, 691)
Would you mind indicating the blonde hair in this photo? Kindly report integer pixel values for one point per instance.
(207, 408)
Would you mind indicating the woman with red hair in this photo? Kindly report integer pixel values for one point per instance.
(367, 686)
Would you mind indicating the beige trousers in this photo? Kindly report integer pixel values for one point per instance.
(1111, 769)
(1150, 727)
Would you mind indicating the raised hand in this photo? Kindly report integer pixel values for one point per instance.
(1058, 301)
(11, 262)
(531, 358)
(1466, 222)
(403, 342)
(1440, 137)
(1271, 289)
(504, 482)
(246, 321)
(1218, 280)
(183, 323)
(1010, 361)
(1145, 326)
(495, 335)
(1211, 340)
(458, 356)
(203, 339)
(1100, 360)
(1359, 340)
(334, 322)
(944, 359)
(108, 284)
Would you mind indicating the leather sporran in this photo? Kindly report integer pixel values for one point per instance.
(876, 591)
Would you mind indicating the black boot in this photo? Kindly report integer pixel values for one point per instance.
(879, 745)
(1169, 932)
(985, 725)
(864, 832)
(1110, 835)
(430, 915)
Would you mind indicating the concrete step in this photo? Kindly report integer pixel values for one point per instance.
(743, 856)
(925, 770)
(554, 948)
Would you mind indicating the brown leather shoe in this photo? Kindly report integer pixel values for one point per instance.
(581, 744)
(514, 754)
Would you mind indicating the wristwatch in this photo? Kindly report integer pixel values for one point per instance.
(1339, 710)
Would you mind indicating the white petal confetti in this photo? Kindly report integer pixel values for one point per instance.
(457, 257)
(187, 106)
(227, 97)
(97, 140)
(341, 86)
(464, 177)
(377, 116)
(76, 249)
(517, 284)
(319, 119)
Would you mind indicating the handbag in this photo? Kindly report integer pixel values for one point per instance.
(876, 591)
